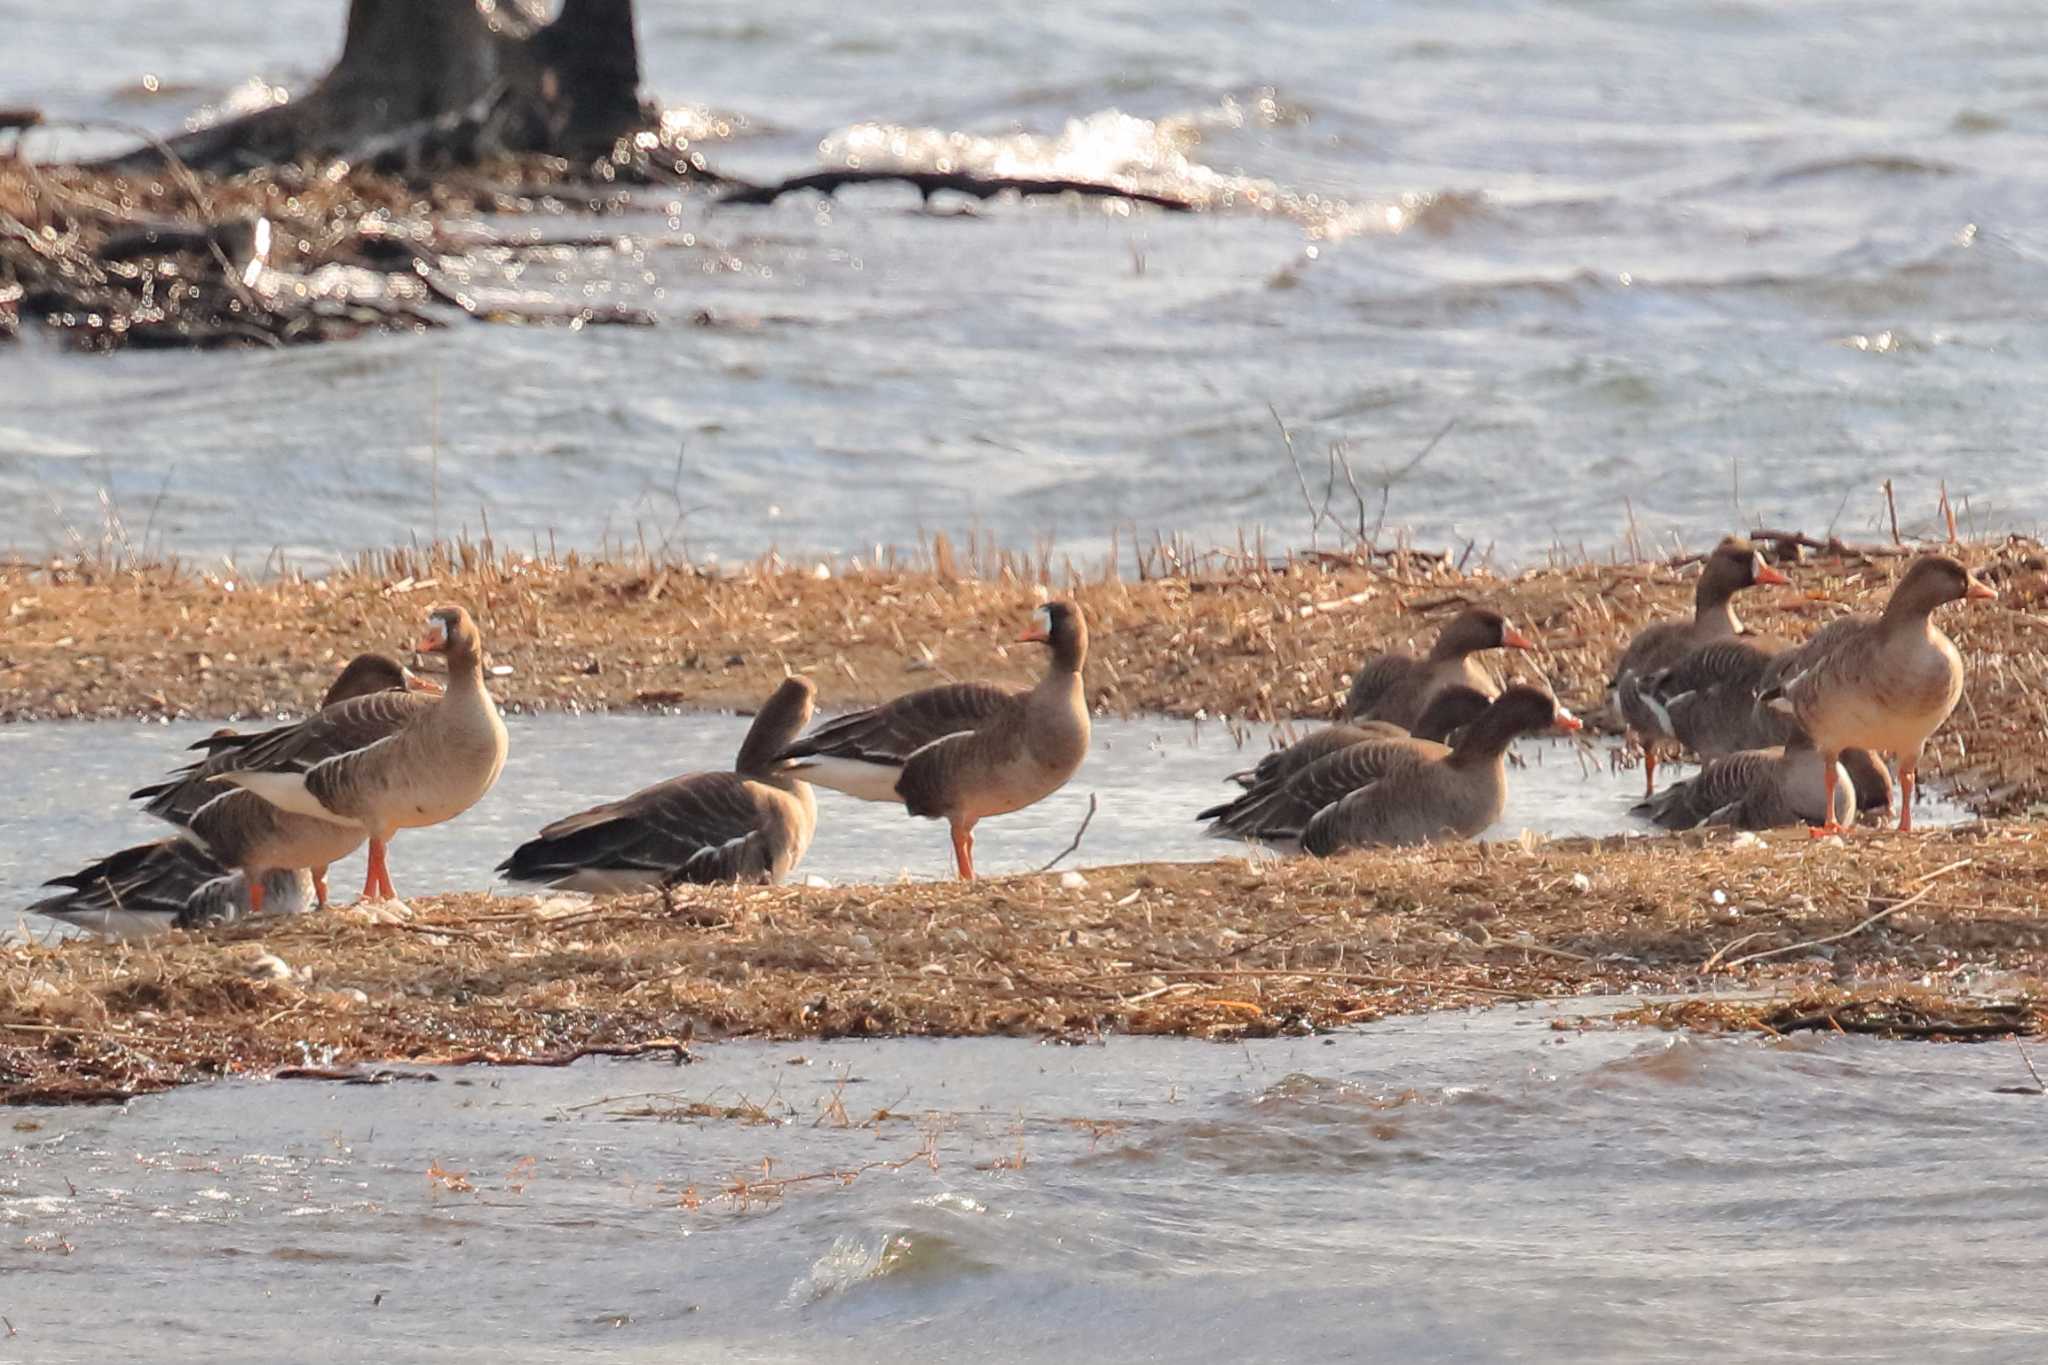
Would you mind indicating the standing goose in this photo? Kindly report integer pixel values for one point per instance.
(748, 825)
(1711, 702)
(1733, 565)
(180, 797)
(388, 762)
(1884, 683)
(964, 752)
(1450, 710)
(1397, 687)
(1455, 795)
(170, 884)
(1756, 789)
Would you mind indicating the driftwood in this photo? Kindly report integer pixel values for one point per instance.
(929, 183)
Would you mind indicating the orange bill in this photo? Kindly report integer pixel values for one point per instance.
(1510, 638)
(1768, 577)
(1979, 590)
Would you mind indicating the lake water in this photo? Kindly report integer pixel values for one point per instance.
(1705, 264)
(1466, 1187)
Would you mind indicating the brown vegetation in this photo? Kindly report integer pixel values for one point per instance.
(1836, 935)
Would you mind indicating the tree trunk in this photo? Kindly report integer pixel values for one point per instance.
(424, 83)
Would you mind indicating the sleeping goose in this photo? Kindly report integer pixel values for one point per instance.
(964, 752)
(1397, 687)
(1451, 709)
(1755, 789)
(748, 825)
(1883, 683)
(1430, 798)
(390, 761)
(1733, 565)
(170, 884)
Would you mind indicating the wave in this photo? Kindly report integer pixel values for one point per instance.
(1157, 156)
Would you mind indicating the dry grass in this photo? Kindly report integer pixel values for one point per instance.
(99, 635)
(1220, 950)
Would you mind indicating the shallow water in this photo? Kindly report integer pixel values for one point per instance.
(1474, 1187)
(1692, 264)
(1150, 776)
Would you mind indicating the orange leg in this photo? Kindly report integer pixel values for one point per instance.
(320, 887)
(963, 851)
(1907, 769)
(1831, 825)
(1649, 768)
(377, 881)
(255, 885)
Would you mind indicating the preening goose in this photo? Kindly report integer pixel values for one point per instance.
(1451, 709)
(1398, 687)
(1733, 565)
(965, 752)
(1433, 798)
(388, 762)
(748, 825)
(170, 884)
(1883, 683)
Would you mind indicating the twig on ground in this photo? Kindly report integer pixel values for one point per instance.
(1926, 884)
(1092, 802)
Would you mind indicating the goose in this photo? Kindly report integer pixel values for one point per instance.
(1397, 687)
(1883, 683)
(169, 884)
(752, 824)
(1711, 701)
(390, 761)
(1433, 797)
(1319, 773)
(1756, 789)
(1450, 710)
(178, 798)
(967, 751)
(1733, 565)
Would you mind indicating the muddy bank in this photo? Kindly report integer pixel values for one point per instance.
(1221, 950)
(88, 639)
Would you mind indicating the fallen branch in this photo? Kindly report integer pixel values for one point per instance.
(928, 183)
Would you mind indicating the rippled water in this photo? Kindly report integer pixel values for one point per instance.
(1463, 1188)
(1723, 261)
(1149, 778)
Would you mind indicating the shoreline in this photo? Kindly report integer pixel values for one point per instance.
(1934, 936)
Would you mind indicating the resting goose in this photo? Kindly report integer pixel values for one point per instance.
(1733, 565)
(1430, 798)
(748, 825)
(1755, 789)
(170, 884)
(390, 761)
(1397, 687)
(1450, 710)
(965, 752)
(1884, 683)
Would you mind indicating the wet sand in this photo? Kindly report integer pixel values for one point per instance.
(1935, 935)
